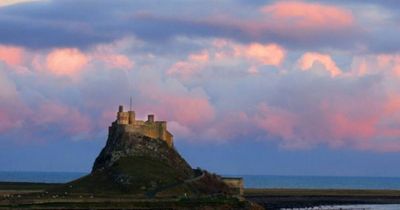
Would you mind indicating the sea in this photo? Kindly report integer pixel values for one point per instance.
(353, 207)
(250, 181)
(321, 182)
(41, 177)
(253, 181)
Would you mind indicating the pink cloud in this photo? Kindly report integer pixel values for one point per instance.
(194, 63)
(270, 54)
(185, 69)
(338, 121)
(117, 61)
(113, 54)
(384, 64)
(230, 125)
(8, 121)
(277, 122)
(68, 119)
(11, 114)
(200, 57)
(389, 61)
(66, 61)
(371, 127)
(257, 53)
(308, 59)
(366, 120)
(351, 127)
(190, 108)
(11, 107)
(392, 106)
(16, 113)
(293, 22)
(186, 110)
(5, 3)
(10, 55)
(308, 16)
(227, 53)
(179, 130)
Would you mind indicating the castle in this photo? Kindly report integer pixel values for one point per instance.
(150, 128)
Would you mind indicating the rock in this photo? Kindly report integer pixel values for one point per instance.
(122, 144)
(139, 165)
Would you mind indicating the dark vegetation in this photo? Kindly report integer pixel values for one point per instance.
(135, 175)
(268, 198)
(147, 168)
(25, 186)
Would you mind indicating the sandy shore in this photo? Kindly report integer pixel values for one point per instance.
(297, 198)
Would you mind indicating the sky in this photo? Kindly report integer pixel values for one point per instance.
(247, 87)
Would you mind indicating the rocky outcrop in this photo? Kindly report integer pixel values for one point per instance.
(122, 144)
(139, 165)
(133, 165)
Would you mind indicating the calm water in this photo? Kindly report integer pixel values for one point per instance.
(321, 182)
(48, 177)
(318, 182)
(354, 207)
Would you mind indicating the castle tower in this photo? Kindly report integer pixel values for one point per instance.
(122, 117)
(131, 117)
(150, 118)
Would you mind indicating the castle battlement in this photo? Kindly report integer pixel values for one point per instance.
(150, 128)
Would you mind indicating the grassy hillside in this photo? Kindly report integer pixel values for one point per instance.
(137, 175)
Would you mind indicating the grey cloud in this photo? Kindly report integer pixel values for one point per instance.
(82, 24)
(85, 23)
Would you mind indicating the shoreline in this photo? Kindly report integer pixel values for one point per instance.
(302, 198)
(268, 198)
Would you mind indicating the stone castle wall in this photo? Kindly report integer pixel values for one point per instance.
(150, 128)
(236, 184)
(153, 130)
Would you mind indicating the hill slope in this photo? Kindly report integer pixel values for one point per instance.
(138, 165)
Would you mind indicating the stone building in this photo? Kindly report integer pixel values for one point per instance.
(150, 128)
(236, 184)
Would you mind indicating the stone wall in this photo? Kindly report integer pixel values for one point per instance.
(156, 130)
(123, 118)
(150, 128)
(235, 183)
